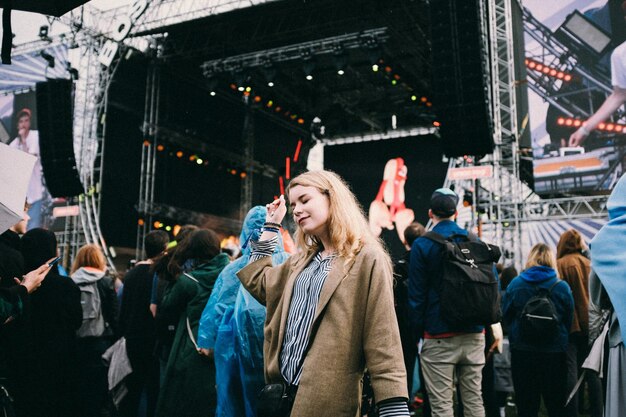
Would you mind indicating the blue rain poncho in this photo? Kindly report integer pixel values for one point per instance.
(232, 324)
(227, 284)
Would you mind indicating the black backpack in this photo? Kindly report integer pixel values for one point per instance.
(469, 292)
(538, 319)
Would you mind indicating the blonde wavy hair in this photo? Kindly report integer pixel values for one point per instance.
(541, 255)
(347, 225)
(91, 256)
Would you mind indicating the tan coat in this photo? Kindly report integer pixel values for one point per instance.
(356, 327)
(574, 268)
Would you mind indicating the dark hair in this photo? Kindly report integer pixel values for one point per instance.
(156, 242)
(412, 232)
(160, 266)
(203, 245)
(506, 276)
(570, 242)
(38, 246)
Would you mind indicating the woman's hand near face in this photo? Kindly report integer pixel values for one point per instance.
(276, 210)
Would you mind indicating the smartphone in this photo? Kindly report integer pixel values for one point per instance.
(54, 261)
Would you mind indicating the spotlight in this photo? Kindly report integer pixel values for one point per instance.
(270, 84)
(212, 93)
(375, 67)
(413, 98)
(309, 77)
(43, 33)
(49, 58)
(72, 71)
(340, 72)
(241, 89)
(199, 161)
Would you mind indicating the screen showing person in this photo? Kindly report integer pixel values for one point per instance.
(27, 140)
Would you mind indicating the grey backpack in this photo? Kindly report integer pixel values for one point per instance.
(93, 320)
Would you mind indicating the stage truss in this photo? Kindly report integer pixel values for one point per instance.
(509, 202)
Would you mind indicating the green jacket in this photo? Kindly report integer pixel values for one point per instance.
(189, 384)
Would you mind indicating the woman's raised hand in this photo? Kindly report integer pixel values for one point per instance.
(276, 210)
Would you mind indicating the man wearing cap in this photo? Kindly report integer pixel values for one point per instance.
(27, 140)
(447, 350)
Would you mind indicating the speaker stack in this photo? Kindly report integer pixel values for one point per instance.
(56, 140)
(459, 82)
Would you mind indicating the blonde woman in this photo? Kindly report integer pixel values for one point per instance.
(330, 311)
(538, 364)
(97, 332)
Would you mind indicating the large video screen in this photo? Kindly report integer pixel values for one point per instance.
(18, 119)
(568, 50)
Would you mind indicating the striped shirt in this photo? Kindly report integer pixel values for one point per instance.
(306, 294)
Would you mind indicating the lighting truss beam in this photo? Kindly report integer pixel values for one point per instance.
(392, 134)
(570, 208)
(194, 217)
(294, 52)
(189, 142)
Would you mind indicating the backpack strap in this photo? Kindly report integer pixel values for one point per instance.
(554, 285)
(435, 237)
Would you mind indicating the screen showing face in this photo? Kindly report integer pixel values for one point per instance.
(567, 82)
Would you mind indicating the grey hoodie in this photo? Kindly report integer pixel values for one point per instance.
(93, 319)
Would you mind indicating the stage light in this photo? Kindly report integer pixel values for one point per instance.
(309, 77)
(301, 121)
(49, 58)
(296, 155)
(179, 154)
(287, 168)
(233, 86)
(243, 175)
(176, 230)
(141, 222)
(580, 33)
(413, 98)
(436, 123)
(547, 70)
(387, 69)
(270, 103)
(241, 89)
(423, 99)
(604, 126)
(248, 89)
(199, 161)
(375, 67)
(160, 148)
(146, 142)
(270, 84)
(394, 82)
(168, 228)
(340, 72)
(257, 99)
(560, 121)
(277, 109)
(569, 122)
(43, 33)
(192, 158)
(212, 93)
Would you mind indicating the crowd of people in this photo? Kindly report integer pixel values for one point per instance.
(333, 329)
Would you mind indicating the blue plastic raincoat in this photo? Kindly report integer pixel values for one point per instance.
(232, 324)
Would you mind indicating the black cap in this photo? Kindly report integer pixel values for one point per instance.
(443, 202)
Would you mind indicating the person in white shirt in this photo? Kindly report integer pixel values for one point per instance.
(612, 102)
(37, 196)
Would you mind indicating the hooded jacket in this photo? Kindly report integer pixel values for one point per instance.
(520, 290)
(107, 317)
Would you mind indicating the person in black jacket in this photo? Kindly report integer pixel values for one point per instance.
(137, 326)
(56, 314)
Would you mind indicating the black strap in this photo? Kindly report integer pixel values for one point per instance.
(7, 33)
(436, 237)
(553, 285)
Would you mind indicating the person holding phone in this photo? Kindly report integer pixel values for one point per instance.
(330, 310)
(55, 316)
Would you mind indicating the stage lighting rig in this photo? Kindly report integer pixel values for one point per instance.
(43, 33)
(49, 58)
